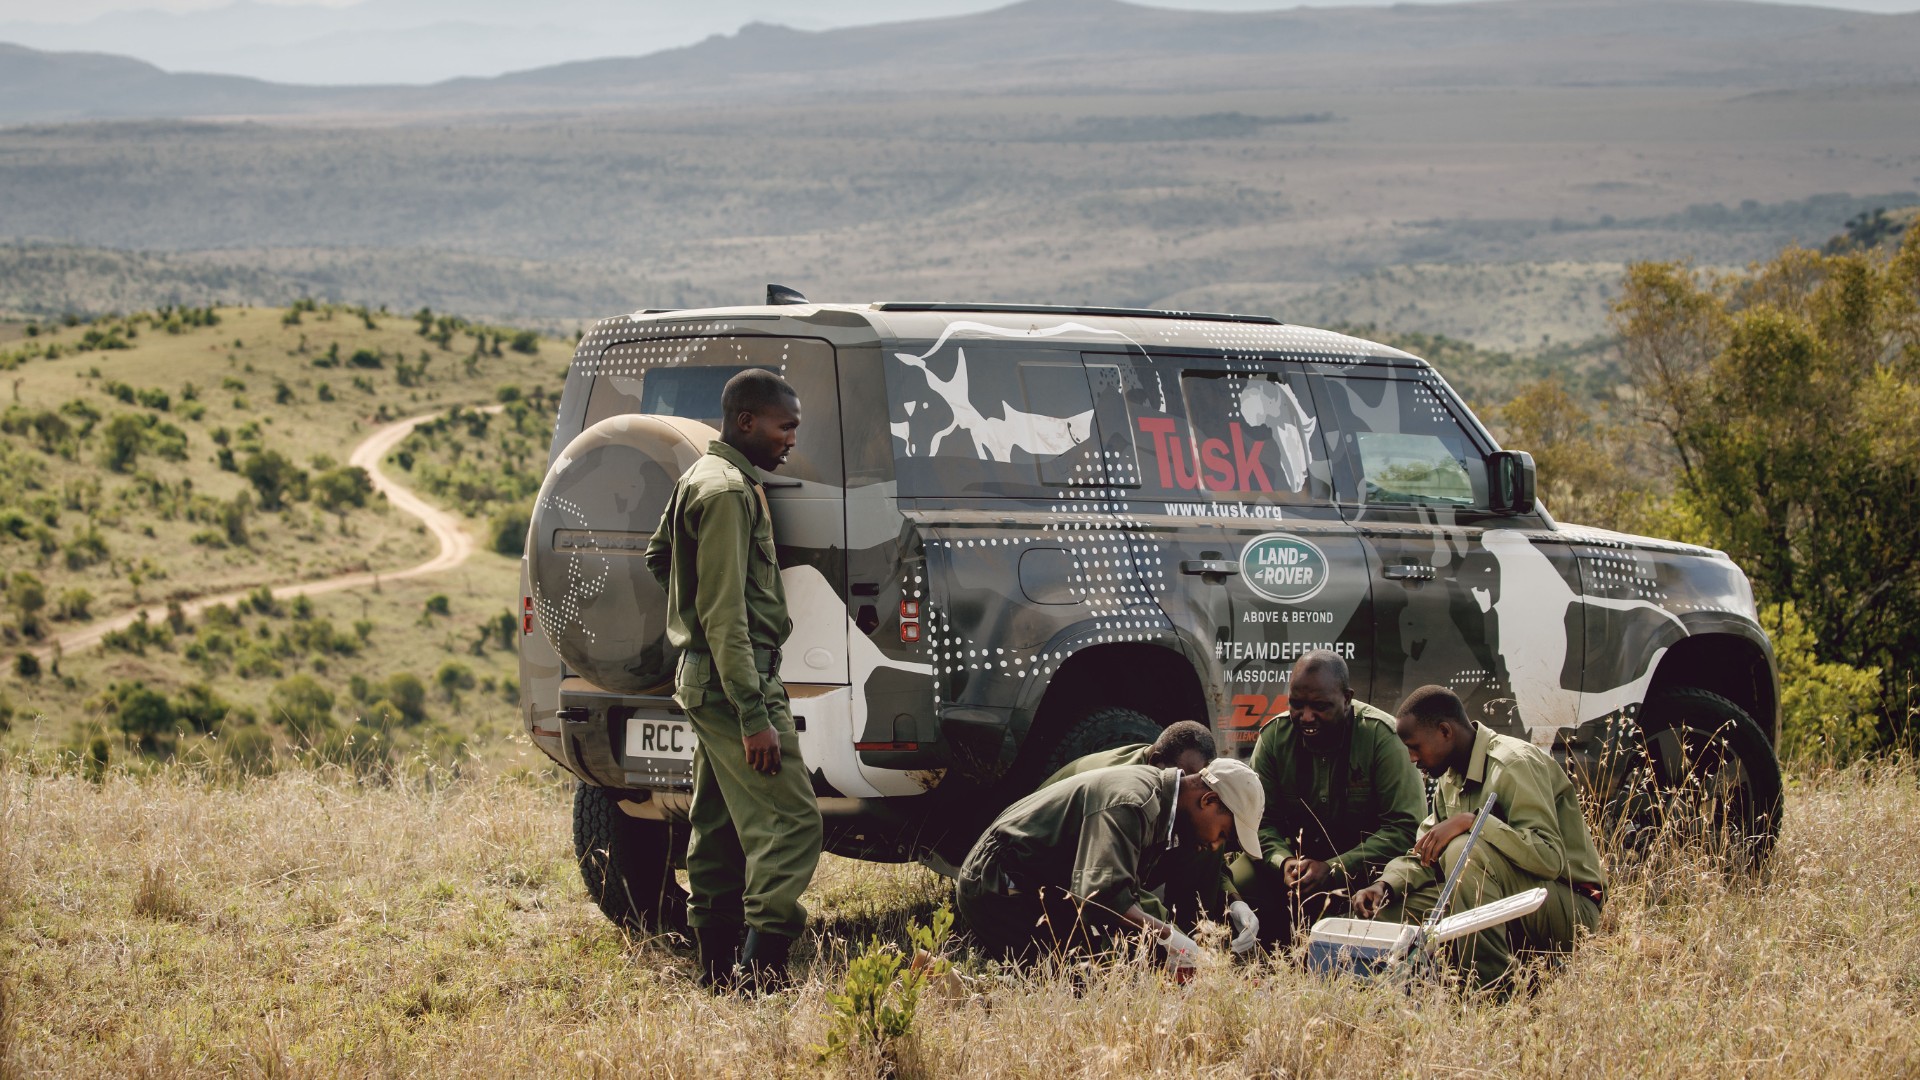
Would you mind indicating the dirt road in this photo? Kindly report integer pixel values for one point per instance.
(455, 546)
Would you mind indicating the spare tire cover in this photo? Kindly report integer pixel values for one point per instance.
(602, 499)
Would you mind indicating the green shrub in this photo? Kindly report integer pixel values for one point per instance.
(509, 530)
(876, 1005)
(122, 440)
(302, 705)
(409, 694)
(142, 714)
(438, 604)
(73, 603)
(359, 749)
(452, 678)
(249, 749)
(1828, 711)
(200, 707)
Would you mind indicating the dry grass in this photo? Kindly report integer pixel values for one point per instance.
(302, 925)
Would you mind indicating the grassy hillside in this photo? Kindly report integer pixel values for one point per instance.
(185, 453)
(308, 926)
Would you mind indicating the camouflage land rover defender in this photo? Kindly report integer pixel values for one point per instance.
(1013, 535)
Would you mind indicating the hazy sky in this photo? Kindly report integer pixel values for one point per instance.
(338, 42)
(814, 12)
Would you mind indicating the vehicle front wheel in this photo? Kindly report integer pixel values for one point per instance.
(627, 864)
(1702, 770)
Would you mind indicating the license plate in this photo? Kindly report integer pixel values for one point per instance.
(668, 739)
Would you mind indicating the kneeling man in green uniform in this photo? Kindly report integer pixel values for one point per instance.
(1194, 882)
(1342, 799)
(1536, 837)
(1063, 869)
(756, 824)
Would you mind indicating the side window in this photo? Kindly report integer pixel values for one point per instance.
(1256, 435)
(684, 377)
(1398, 442)
(981, 419)
(1223, 433)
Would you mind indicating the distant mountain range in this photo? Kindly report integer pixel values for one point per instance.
(1074, 46)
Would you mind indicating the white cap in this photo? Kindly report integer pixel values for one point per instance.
(1239, 789)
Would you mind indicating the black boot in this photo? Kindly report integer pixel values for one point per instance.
(765, 960)
(719, 946)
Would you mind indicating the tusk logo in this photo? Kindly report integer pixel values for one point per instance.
(1283, 568)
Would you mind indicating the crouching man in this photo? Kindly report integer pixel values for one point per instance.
(1062, 870)
(1342, 800)
(1194, 883)
(1535, 837)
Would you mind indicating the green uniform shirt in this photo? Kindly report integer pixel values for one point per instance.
(1097, 835)
(1135, 754)
(1354, 806)
(713, 553)
(1537, 824)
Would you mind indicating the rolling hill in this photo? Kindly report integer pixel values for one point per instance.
(1079, 45)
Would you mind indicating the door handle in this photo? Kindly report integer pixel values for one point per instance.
(1209, 566)
(1409, 572)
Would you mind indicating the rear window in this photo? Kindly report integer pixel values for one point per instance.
(684, 376)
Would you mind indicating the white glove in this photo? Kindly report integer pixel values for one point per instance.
(1246, 927)
(1182, 952)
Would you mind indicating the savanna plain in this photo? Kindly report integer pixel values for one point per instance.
(260, 833)
(304, 837)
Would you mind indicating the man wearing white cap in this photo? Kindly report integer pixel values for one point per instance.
(1063, 868)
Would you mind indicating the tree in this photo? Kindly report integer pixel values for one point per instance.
(452, 678)
(1790, 399)
(337, 489)
(26, 595)
(122, 440)
(142, 714)
(275, 478)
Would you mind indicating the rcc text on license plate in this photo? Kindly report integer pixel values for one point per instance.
(659, 739)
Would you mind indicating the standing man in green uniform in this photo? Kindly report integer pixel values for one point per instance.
(1342, 799)
(756, 825)
(1536, 837)
(1063, 869)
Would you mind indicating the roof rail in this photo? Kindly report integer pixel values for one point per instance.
(1060, 309)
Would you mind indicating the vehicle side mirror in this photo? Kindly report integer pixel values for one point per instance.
(1510, 481)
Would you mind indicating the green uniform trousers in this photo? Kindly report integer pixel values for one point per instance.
(756, 838)
(1490, 876)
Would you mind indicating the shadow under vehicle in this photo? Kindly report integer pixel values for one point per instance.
(1011, 535)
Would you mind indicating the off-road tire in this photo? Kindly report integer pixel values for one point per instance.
(1702, 770)
(1102, 729)
(627, 864)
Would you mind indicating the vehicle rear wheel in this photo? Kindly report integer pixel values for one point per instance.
(1701, 771)
(627, 864)
(1102, 729)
